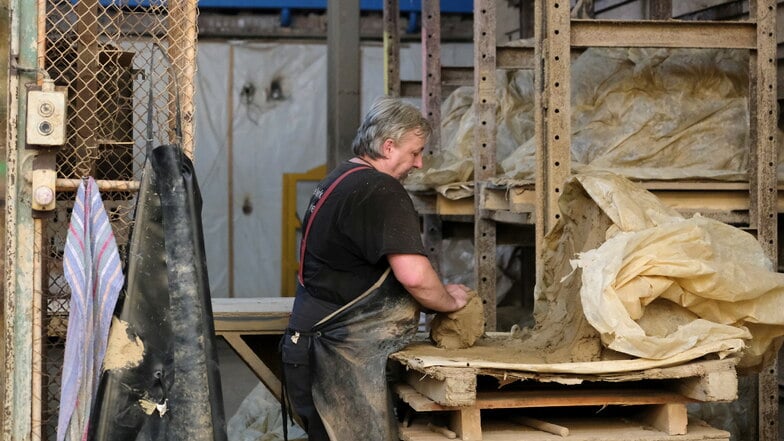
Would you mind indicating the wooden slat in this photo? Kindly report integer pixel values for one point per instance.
(420, 402)
(690, 34)
(570, 397)
(580, 429)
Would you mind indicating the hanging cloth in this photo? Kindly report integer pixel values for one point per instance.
(93, 271)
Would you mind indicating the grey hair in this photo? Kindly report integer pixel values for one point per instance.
(388, 118)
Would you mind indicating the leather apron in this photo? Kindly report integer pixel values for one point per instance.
(348, 349)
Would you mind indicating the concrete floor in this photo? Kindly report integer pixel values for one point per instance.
(237, 380)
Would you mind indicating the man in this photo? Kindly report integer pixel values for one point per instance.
(363, 275)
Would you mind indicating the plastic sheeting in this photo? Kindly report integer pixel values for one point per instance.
(259, 419)
(268, 138)
(639, 112)
(662, 286)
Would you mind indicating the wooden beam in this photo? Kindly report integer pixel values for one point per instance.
(712, 386)
(467, 423)
(458, 388)
(672, 34)
(670, 418)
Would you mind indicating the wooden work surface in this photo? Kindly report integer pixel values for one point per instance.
(260, 315)
(252, 327)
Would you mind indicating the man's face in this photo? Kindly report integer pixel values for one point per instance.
(405, 154)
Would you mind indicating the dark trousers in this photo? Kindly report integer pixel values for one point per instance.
(298, 390)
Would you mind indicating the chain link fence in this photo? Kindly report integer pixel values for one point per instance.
(114, 57)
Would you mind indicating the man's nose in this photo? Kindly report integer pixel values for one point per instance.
(418, 162)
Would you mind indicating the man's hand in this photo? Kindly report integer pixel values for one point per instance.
(458, 292)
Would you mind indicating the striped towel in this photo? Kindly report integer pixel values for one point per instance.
(93, 271)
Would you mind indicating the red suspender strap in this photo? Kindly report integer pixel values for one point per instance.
(313, 214)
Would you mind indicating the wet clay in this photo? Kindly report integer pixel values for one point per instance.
(462, 328)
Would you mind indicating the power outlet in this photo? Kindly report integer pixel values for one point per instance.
(46, 112)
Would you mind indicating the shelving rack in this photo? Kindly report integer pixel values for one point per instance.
(754, 204)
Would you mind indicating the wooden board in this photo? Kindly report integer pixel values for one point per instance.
(259, 315)
(587, 429)
(518, 399)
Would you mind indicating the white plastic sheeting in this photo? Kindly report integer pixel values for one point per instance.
(639, 112)
(268, 138)
(259, 418)
(662, 285)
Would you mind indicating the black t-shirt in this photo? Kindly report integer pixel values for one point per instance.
(366, 216)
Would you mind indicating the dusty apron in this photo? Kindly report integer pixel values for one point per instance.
(347, 350)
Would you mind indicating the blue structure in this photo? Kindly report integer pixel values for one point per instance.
(447, 6)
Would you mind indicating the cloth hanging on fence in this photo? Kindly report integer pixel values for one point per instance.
(93, 271)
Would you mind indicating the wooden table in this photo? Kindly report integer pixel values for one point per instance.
(240, 320)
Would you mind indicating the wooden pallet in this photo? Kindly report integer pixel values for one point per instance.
(657, 399)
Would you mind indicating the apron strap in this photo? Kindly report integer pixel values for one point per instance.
(320, 202)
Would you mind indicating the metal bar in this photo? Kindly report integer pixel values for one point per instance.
(688, 34)
(86, 102)
(17, 303)
(557, 135)
(391, 26)
(762, 108)
(515, 57)
(431, 74)
(539, 127)
(485, 102)
(413, 89)
(182, 53)
(456, 75)
(431, 107)
(37, 325)
(103, 185)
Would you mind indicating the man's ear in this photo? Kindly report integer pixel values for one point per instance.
(388, 146)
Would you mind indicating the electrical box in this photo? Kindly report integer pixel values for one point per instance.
(46, 112)
(44, 183)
